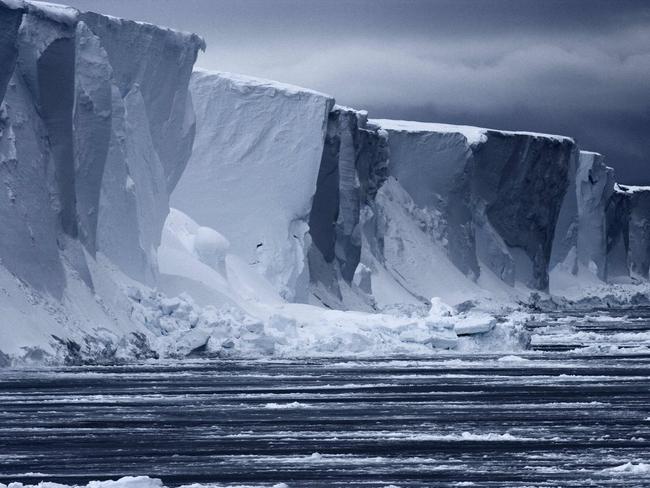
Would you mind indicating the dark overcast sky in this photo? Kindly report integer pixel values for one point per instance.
(574, 67)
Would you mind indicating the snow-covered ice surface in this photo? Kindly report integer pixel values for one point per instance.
(554, 414)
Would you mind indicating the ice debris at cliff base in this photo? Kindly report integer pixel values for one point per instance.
(129, 482)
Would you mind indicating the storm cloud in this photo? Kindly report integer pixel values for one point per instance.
(575, 67)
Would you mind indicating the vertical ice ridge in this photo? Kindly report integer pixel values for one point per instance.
(594, 188)
(638, 257)
(353, 167)
(28, 242)
(92, 128)
(325, 205)
(63, 70)
(10, 19)
(55, 69)
(160, 62)
(617, 217)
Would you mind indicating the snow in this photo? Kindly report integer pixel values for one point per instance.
(631, 188)
(473, 135)
(628, 469)
(56, 12)
(251, 83)
(13, 4)
(240, 293)
(412, 259)
(512, 359)
(476, 324)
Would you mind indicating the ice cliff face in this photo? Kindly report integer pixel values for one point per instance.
(580, 247)
(497, 195)
(352, 169)
(631, 208)
(96, 113)
(10, 17)
(253, 171)
(602, 235)
(95, 128)
(281, 195)
(151, 134)
(594, 188)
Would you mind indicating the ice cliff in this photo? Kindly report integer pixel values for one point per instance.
(95, 128)
(299, 227)
(495, 195)
(253, 171)
(602, 234)
(631, 215)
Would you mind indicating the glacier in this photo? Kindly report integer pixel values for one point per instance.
(154, 209)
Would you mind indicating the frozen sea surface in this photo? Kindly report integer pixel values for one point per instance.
(550, 417)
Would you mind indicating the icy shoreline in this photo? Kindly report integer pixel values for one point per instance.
(154, 210)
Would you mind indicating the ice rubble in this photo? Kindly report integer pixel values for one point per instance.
(128, 482)
(303, 228)
(238, 312)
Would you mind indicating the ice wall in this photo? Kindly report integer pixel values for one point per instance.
(105, 121)
(594, 188)
(10, 18)
(253, 171)
(580, 245)
(95, 127)
(638, 257)
(377, 245)
(336, 209)
(148, 140)
(603, 231)
(617, 218)
(498, 194)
